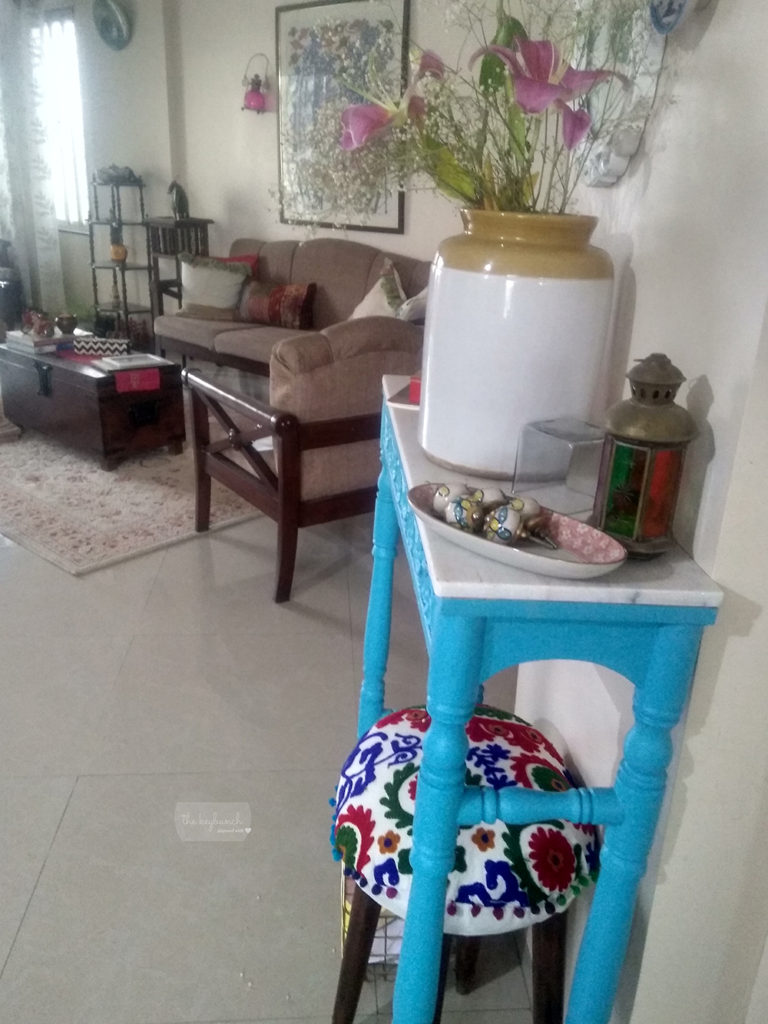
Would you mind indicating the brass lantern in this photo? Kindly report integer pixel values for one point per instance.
(642, 459)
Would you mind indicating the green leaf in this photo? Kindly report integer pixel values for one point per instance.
(493, 72)
(448, 174)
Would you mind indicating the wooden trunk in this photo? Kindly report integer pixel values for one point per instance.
(80, 406)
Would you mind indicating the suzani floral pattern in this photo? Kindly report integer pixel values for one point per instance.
(504, 875)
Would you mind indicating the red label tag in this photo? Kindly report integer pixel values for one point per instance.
(147, 379)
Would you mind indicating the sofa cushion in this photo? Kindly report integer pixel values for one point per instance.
(279, 305)
(342, 271)
(385, 297)
(250, 259)
(275, 258)
(253, 341)
(192, 330)
(195, 312)
(211, 284)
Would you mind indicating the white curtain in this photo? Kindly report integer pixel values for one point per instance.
(27, 212)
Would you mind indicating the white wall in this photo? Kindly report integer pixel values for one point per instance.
(125, 102)
(126, 121)
(687, 227)
(230, 159)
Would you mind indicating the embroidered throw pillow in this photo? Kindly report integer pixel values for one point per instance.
(279, 305)
(250, 259)
(385, 298)
(210, 287)
(414, 309)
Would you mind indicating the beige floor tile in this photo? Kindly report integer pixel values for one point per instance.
(174, 677)
(224, 582)
(129, 923)
(499, 984)
(31, 810)
(38, 598)
(229, 702)
(55, 693)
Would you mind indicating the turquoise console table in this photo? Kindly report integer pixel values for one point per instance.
(644, 621)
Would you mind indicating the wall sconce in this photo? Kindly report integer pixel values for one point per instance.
(255, 86)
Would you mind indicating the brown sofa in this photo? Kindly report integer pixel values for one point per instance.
(343, 271)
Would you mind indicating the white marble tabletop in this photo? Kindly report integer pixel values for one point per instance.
(671, 579)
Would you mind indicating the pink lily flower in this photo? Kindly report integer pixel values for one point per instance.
(361, 122)
(430, 64)
(543, 79)
(364, 121)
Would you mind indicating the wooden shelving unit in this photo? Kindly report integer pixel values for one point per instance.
(168, 239)
(119, 207)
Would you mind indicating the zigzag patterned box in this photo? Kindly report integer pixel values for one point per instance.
(85, 346)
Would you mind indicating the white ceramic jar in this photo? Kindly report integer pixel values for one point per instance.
(518, 313)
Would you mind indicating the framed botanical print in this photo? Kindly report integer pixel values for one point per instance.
(328, 51)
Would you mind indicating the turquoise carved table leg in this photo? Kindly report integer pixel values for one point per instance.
(379, 619)
(451, 692)
(640, 783)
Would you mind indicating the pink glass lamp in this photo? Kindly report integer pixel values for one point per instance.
(256, 86)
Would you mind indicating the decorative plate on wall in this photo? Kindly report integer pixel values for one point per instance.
(665, 14)
(112, 23)
(668, 14)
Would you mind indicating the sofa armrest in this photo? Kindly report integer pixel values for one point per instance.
(337, 372)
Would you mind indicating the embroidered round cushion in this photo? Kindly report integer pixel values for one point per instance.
(505, 876)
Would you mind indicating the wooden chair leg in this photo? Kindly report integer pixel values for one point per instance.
(202, 502)
(361, 931)
(467, 949)
(287, 540)
(548, 970)
(201, 435)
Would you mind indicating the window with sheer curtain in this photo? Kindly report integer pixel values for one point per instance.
(61, 109)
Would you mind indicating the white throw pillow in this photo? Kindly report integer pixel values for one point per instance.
(210, 283)
(385, 298)
(415, 308)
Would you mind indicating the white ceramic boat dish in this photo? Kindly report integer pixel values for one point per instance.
(582, 552)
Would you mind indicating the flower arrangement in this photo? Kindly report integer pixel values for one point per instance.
(510, 130)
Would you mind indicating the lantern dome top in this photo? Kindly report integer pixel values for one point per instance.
(650, 415)
(655, 380)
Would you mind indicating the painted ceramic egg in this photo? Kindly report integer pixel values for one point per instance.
(489, 497)
(465, 514)
(503, 524)
(446, 493)
(527, 507)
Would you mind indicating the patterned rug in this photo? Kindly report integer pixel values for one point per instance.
(63, 506)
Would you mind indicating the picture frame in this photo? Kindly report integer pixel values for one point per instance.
(312, 37)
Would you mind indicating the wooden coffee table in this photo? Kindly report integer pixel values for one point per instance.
(81, 406)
